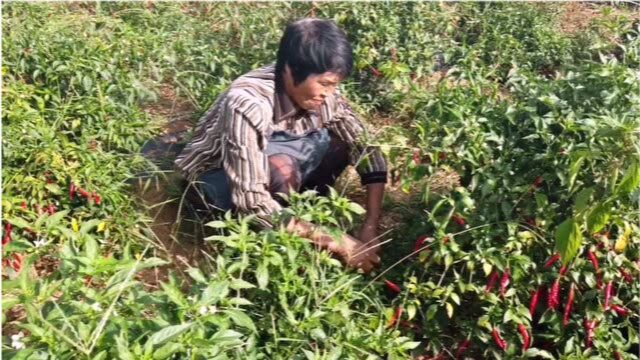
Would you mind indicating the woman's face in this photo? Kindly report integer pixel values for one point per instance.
(311, 93)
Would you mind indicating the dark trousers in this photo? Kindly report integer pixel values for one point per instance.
(292, 166)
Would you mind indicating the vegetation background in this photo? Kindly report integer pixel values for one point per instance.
(512, 132)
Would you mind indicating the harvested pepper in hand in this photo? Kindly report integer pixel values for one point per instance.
(526, 338)
(569, 306)
(502, 344)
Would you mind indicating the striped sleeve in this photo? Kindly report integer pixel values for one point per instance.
(368, 160)
(243, 158)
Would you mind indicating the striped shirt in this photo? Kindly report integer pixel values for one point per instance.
(234, 133)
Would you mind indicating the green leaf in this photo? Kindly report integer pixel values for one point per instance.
(238, 284)
(217, 224)
(536, 353)
(356, 208)
(582, 200)
(262, 275)
(568, 240)
(631, 179)
(91, 247)
(174, 294)
(167, 350)
(168, 333)
(574, 169)
(241, 319)
(197, 275)
(598, 218)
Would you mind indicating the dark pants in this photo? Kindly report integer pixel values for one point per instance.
(295, 163)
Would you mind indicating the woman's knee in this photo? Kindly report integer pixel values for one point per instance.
(284, 174)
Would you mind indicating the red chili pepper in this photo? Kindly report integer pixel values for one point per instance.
(52, 209)
(396, 317)
(392, 286)
(504, 281)
(24, 205)
(553, 300)
(96, 198)
(552, 260)
(72, 191)
(445, 240)
(620, 310)
(464, 346)
(531, 222)
(502, 344)
(563, 270)
(538, 182)
(84, 193)
(459, 220)
(535, 298)
(492, 281)
(617, 355)
(569, 306)
(590, 327)
(7, 234)
(417, 159)
(607, 295)
(594, 259)
(376, 72)
(442, 156)
(627, 277)
(526, 338)
(17, 262)
(420, 242)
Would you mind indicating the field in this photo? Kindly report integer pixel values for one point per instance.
(511, 220)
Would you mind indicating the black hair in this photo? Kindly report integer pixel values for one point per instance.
(313, 46)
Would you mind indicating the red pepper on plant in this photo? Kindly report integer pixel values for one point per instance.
(392, 286)
(459, 220)
(620, 310)
(17, 262)
(97, 198)
(607, 295)
(376, 72)
(462, 348)
(526, 338)
(563, 270)
(84, 193)
(72, 191)
(504, 281)
(420, 242)
(502, 344)
(396, 316)
(552, 260)
(535, 298)
(417, 159)
(24, 205)
(569, 306)
(493, 278)
(538, 182)
(590, 327)
(627, 277)
(553, 300)
(617, 355)
(7, 234)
